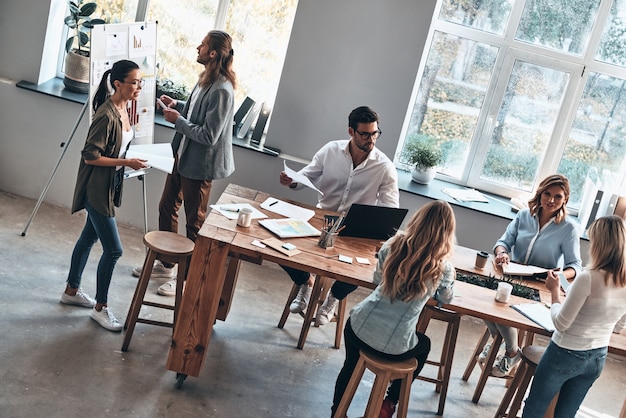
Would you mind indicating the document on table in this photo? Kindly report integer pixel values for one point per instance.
(300, 178)
(159, 156)
(536, 312)
(287, 209)
(231, 211)
(516, 269)
(465, 195)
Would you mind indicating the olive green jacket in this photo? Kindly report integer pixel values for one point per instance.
(95, 183)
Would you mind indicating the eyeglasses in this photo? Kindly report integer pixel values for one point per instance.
(368, 135)
(136, 83)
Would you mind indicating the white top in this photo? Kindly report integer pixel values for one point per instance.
(590, 311)
(192, 106)
(373, 182)
(127, 136)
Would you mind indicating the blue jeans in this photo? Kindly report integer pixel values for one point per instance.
(568, 371)
(96, 227)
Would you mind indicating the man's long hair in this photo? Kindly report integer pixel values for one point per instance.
(222, 44)
(416, 257)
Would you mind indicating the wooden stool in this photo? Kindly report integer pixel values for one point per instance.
(444, 365)
(385, 372)
(530, 358)
(170, 247)
(321, 287)
(623, 413)
(524, 339)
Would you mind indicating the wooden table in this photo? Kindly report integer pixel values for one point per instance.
(222, 245)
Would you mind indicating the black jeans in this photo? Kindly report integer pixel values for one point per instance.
(339, 289)
(354, 344)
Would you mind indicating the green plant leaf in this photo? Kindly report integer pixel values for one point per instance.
(87, 9)
(84, 38)
(69, 43)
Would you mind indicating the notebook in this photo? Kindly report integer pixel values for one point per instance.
(376, 222)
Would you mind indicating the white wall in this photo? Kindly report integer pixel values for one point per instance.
(342, 54)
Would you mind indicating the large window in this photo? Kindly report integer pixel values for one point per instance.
(260, 31)
(514, 90)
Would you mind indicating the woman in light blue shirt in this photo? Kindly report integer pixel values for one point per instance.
(412, 267)
(542, 236)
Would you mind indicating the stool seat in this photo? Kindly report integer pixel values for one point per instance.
(321, 287)
(385, 371)
(168, 247)
(444, 365)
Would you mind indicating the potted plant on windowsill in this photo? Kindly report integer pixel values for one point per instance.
(77, 46)
(423, 156)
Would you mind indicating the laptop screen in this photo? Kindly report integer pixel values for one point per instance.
(376, 222)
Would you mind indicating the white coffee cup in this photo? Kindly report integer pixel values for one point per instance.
(504, 292)
(245, 217)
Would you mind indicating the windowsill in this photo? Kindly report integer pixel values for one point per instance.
(55, 88)
(497, 205)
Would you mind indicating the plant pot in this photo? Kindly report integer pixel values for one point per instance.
(423, 176)
(76, 72)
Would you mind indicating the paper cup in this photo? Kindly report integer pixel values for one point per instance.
(503, 294)
(481, 260)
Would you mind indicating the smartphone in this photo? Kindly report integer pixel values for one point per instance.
(160, 102)
(563, 281)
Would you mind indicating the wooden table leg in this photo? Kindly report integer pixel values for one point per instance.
(228, 291)
(198, 309)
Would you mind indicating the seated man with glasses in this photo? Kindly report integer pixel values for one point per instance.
(347, 171)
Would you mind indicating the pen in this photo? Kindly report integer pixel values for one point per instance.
(273, 203)
(229, 209)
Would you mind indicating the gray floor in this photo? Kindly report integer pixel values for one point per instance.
(56, 362)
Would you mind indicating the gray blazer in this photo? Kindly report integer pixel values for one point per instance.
(207, 152)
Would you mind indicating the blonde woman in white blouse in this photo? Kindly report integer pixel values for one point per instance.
(595, 302)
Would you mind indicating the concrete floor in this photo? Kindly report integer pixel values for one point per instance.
(56, 362)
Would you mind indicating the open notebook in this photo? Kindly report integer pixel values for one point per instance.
(516, 269)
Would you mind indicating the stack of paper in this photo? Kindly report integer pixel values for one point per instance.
(287, 209)
(465, 195)
(515, 269)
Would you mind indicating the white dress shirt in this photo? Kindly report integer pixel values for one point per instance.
(373, 182)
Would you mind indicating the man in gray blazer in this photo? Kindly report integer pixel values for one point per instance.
(202, 145)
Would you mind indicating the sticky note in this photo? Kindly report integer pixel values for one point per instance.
(258, 243)
(362, 260)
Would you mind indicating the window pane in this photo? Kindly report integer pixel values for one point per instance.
(524, 125)
(260, 31)
(558, 25)
(181, 29)
(596, 143)
(116, 11)
(613, 42)
(451, 94)
(488, 15)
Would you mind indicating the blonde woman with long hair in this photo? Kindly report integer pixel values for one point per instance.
(412, 267)
(595, 302)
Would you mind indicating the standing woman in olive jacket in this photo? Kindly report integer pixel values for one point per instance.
(99, 187)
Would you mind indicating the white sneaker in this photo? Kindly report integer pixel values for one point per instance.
(106, 318)
(327, 310)
(167, 288)
(159, 271)
(79, 299)
(301, 301)
(506, 364)
(483, 355)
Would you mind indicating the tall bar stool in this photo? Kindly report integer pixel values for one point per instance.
(524, 339)
(444, 365)
(385, 372)
(321, 287)
(169, 247)
(531, 355)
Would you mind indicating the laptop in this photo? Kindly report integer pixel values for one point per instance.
(376, 222)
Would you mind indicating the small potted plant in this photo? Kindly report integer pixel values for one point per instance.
(423, 156)
(77, 46)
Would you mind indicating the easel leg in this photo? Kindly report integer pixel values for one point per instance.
(65, 146)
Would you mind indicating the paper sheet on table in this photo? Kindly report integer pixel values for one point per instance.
(159, 156)
(300, 178)
(536, 312)
(465, 195)
(231, 210)
(287, 209)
